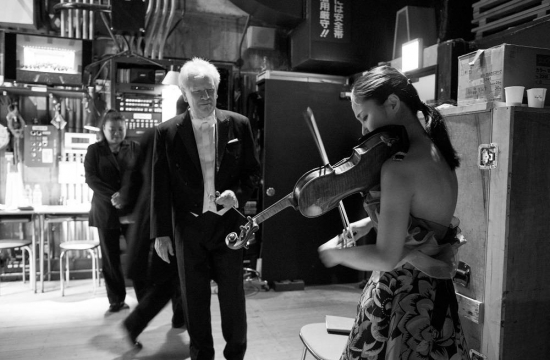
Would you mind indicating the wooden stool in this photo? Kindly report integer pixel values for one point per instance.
(321, 344)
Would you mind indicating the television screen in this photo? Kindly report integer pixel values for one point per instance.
(38, 59)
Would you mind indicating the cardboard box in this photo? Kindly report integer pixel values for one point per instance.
(483, 74)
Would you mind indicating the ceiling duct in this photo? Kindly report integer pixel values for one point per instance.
(284, 13)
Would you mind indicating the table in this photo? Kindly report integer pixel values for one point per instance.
(38, 215)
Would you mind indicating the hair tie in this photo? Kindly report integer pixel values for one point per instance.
(409, 82)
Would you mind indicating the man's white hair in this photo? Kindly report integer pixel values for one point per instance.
(197, 68)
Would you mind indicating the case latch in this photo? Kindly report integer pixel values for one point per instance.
(487, 156)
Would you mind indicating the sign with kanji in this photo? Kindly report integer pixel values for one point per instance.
(331, 20)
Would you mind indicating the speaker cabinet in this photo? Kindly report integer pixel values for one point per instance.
(289, 240)
(260, 38)
(334, 42)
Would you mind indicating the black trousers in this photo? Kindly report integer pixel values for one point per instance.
(110, 260)
(160, 289)
(203, 256)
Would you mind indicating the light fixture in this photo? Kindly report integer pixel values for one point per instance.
(92, 121)
(171, 77)
(411, 55)
(94, 108)
(170, 94)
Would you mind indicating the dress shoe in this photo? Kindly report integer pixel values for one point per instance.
(116, 307)
(178, 325)
(136, 345)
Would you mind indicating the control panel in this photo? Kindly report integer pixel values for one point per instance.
(141, 111)
(41, 145)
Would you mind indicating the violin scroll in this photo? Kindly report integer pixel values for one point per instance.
(236, 242)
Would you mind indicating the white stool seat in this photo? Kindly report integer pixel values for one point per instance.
(13, 244)
(79, 245)
(321, 344)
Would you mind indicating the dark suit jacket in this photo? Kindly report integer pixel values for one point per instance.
(104, 176)
(177, 187)
(136, 195)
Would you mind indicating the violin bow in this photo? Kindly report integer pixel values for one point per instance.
(312, 124)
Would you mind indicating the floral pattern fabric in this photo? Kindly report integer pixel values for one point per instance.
(394, 320)
(399, 315)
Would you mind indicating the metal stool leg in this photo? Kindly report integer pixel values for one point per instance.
(32, 264)
(32, 267)
(304, 353)
(23, 264)
(92, 254)
(61, 280)
(67, 270)
(50, 240)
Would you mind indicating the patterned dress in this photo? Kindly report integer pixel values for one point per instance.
(411, 312)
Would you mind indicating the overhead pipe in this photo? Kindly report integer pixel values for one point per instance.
(63, 18)
(77, 17)
(168, 28)
(141, 38)
(161, 18)
(70, 21)
(91, 24)
(160, 33)
(76, 20)
(150, 35)
(85, 22)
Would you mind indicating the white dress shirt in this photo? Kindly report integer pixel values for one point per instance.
(205, 135)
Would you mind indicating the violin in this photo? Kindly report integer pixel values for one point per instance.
(322, 189)
(312, 124)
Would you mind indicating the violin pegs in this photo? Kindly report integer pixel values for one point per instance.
(234, 242)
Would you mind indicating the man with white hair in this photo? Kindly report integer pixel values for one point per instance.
(204, 164)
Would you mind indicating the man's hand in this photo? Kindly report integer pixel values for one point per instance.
(227, 199)
(163, 247)
(116, 200)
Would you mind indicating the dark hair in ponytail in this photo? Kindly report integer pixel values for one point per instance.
(382, 81)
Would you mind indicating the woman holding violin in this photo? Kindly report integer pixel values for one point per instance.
(408, 309)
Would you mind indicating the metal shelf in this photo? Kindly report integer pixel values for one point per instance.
(28, 90)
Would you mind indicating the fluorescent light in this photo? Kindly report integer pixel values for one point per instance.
(91, 128)
(411, 52)
(39, 88)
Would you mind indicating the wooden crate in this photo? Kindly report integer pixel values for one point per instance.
(493, 16)
(504, 216)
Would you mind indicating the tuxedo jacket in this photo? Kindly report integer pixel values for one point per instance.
(177, 181)
(104, 176)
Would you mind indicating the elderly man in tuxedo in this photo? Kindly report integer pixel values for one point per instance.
(205, 166)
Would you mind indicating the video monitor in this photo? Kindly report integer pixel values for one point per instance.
(48, 60)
